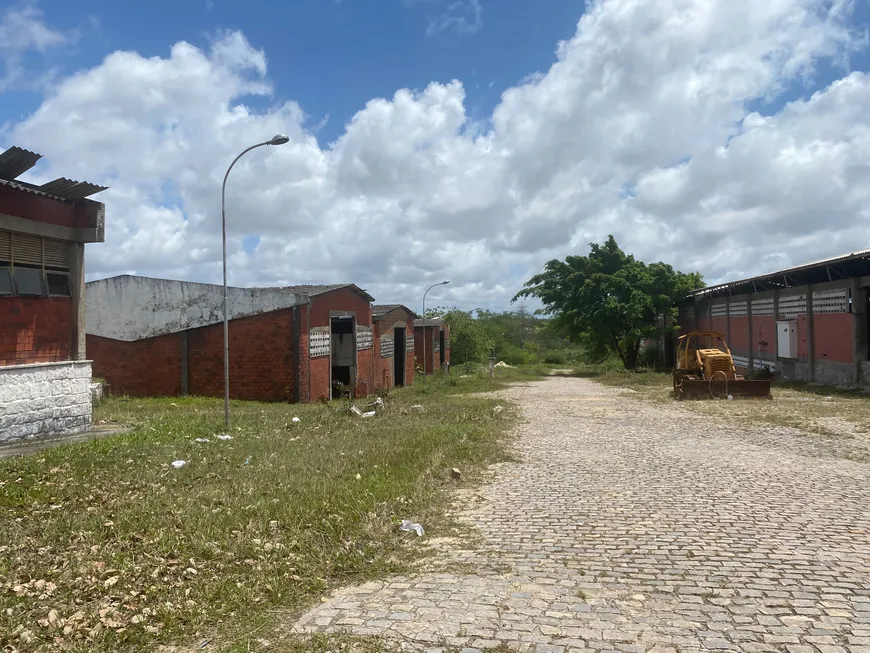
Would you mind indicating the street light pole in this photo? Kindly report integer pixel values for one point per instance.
(278, 139)
(443, 283)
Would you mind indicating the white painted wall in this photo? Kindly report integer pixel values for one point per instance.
(44, 399)
(132, 308)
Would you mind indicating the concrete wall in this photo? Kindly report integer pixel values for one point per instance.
(133, 308)
(44, 399)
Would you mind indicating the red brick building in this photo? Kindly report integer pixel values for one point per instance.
(44, 374)
(393, 345)
(156, 337)
(432, 344)
(806, 323)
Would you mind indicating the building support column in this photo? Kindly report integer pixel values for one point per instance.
(776, 332)
(859, 329)
(728, 320)
(185, 376)
(749, 328)
(77, 298)
(811, 334)
(296, 372)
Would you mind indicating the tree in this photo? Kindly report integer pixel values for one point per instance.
(608, 301)
(469, 340)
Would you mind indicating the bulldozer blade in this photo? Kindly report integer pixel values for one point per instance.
(742, 389)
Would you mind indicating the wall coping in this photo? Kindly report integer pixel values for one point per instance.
(39, 365)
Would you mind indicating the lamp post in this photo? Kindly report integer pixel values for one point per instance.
(278, 139)
(443, 283)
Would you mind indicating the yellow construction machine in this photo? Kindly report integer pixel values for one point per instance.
(705, 370)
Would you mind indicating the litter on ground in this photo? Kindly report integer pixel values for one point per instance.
(202, 440)
(498, 409)
(417, 408)
(295, 420)
(356, 411)
(225, 437)
(370, 413)
(409, 526)
(178, 463)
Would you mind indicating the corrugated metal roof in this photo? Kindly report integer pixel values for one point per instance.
(16, 161)
(69, 189)
(864, 253)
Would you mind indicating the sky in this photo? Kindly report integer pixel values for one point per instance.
(467, 140)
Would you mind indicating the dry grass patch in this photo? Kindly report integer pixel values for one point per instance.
(105, 546)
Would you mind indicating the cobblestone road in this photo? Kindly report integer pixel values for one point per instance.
(636, 527)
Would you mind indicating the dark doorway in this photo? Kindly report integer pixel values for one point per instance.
(399, 357)
(441, 352)
(342, 355)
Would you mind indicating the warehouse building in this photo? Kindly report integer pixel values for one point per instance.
(806, 323)
(432, 344)
(394, 345)
(44, 373)
(157, 337)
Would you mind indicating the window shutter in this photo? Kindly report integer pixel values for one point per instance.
(26, 249)
(56, 253)
(5, 246)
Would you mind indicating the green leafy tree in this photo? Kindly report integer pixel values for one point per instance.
(608, 301)
(469, 340)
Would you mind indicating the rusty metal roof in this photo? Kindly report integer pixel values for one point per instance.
(829, 269)
(16, 161)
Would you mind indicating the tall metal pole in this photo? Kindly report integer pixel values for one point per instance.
(443, 283)
(280, 139)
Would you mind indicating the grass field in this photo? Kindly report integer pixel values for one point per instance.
(105, 546)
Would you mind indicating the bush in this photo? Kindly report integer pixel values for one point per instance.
(513, 355)
(649, 357)
(555, 358)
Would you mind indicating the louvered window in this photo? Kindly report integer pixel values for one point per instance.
(33, 265)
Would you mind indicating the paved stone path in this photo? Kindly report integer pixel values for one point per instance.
(637, 527)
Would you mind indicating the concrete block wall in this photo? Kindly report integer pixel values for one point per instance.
(44, 399)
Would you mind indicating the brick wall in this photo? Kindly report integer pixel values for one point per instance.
(345, 300)
(144, 368)
(261, 358)
(35, 329)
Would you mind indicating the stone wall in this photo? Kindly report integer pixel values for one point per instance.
(44, 399)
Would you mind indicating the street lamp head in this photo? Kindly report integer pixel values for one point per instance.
(279, 139)
(443, 283)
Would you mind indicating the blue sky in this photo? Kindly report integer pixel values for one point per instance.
(331, 56)
(641, 127)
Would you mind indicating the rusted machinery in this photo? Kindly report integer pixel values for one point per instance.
(705, 370)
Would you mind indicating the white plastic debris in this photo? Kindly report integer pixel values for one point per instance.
(379, 401)
(178, 463)
(409, 526)
(417, 408)
(295, 420)
(224, 437)
(371, 413)
(356, 411)
(359, 477)
(730, 397)
(248, 460)
(202, 440)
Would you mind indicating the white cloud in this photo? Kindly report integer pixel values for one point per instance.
(22, 32)
(460, 16)
(648, 95)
